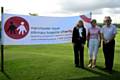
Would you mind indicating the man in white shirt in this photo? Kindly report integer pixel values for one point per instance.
(108, 34)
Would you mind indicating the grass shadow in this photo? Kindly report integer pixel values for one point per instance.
(101, 76)
(114, 72)
(8, 77)
(91, 78)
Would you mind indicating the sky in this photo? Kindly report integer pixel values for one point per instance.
(99, 8)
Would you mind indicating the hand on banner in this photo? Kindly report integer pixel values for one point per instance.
(21, 29)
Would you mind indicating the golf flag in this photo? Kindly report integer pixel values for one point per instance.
(27, 30)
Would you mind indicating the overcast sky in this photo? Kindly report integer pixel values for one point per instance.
(99, 8)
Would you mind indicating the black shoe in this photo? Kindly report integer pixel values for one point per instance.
(104, 69)
(82, 67)
(110, 72)
(77, 66)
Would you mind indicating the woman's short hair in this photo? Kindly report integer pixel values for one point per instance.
(80, 21)
(94, 21)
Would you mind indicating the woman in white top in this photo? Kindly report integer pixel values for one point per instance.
(94, 39)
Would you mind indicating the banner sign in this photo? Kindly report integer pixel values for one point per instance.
(27, 30)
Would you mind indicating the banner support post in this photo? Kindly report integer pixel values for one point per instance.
(2, 46)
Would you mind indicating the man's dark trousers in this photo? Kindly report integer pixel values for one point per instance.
(108, 50)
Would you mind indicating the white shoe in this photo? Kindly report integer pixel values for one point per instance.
(89, 65)
(93, 66)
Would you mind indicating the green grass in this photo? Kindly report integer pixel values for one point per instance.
(54, 62)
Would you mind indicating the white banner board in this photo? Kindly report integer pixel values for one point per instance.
(27, 30)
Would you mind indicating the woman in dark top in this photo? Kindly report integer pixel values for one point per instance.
(78, 40)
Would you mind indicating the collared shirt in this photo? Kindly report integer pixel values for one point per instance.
(108, 32)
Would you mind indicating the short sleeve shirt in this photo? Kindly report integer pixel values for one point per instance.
(94, 32)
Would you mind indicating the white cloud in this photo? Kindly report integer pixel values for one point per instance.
(88, 5)
(27, 6)
(60, 7)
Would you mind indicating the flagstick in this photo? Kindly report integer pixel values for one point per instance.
(2, 46)
(91, 15)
